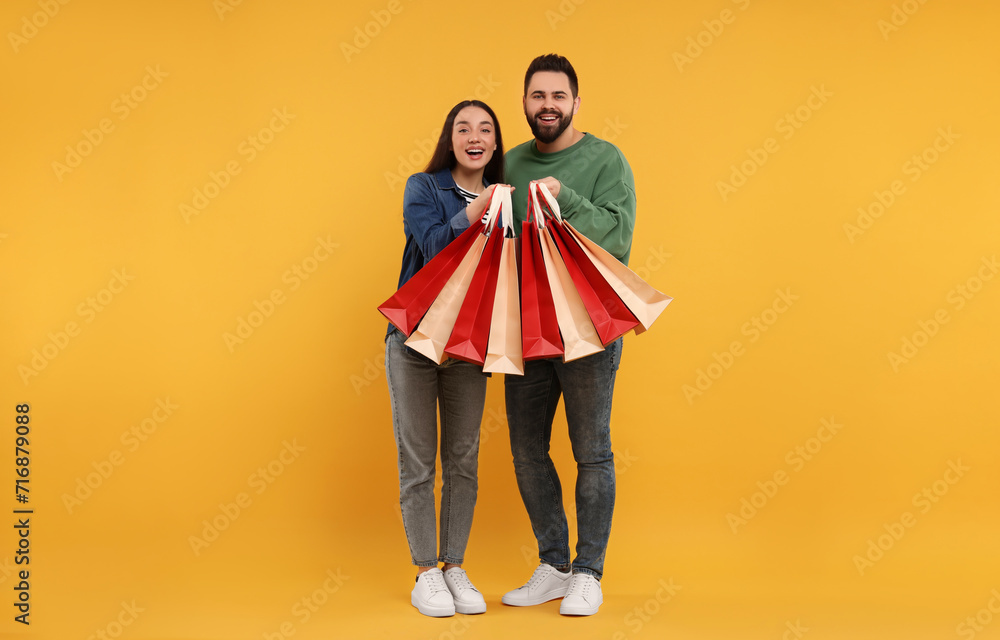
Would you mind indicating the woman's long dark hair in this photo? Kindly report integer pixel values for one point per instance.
(444, 157)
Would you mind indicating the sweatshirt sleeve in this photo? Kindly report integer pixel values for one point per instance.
(432, 228)
(608, 218)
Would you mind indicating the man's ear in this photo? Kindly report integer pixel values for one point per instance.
(576, 104)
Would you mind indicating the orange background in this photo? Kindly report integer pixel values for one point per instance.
(242, 162)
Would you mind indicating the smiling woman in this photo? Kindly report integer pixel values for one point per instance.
(439, 204)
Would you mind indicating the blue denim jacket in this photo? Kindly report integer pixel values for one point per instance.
(433, 215)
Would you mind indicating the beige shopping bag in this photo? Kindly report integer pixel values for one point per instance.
(503, 353)
(431, 336)
(645, 302)
(578, 333)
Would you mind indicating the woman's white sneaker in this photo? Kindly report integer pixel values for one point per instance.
(431, 596)
(467, 597)
(546, 583)
(584, 597)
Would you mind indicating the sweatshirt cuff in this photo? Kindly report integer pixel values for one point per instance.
(566, 199)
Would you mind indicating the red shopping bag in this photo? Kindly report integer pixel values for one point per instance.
(407, 306)
(645, 302)
(611, 317)
(539, 326)
(471, 332)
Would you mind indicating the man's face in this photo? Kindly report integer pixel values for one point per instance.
(549, 105)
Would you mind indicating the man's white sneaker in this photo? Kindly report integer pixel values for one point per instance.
(467, 597)
(583, 598)
(546, 583)
(431, 596)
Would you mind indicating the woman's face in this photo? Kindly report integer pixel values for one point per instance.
(473, 138)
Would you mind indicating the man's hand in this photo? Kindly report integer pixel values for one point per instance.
(552, 184)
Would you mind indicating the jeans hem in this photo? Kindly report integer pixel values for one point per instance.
(589, 572)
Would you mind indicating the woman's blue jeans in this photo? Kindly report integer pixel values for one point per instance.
(418, 389)
(587, 386)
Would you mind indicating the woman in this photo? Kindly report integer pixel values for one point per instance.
(440, 203)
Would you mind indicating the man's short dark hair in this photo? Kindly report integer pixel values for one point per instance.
(552, 62)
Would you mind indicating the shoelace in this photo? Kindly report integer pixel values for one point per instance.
(435, 582)
(540, 574)
(461, 580)
(579, 586)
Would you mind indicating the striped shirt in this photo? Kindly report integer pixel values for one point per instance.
(468, 195)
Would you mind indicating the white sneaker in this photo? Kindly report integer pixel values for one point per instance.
(431, 596)
(584, 597)
(546, 583)
(467, 597)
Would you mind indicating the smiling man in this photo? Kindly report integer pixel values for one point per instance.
(593, 184)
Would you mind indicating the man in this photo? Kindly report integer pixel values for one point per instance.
(593, 184)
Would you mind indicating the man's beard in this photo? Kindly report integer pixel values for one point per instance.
(546, 134)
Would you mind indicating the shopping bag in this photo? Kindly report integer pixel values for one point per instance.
(470, 335)
(503, 351)
(644, 301)
(407, 306)
(579, 336)
(431, 335)
(539, 325)
(611, 317)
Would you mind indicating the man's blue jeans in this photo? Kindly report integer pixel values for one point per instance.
(587, 386)
(418, 388)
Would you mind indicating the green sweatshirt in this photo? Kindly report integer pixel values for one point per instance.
(598, 191)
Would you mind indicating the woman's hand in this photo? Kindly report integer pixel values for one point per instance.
(477, 208)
